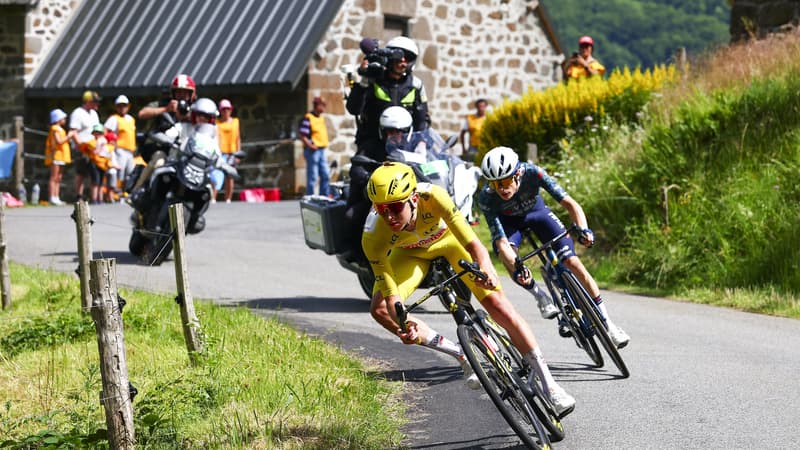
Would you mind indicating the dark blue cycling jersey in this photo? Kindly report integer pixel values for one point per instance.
(525, 209)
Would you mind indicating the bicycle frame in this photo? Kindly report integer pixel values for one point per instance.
(582, 310)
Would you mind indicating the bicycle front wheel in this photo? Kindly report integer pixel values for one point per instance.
(587, 305)
(573, 320)
(505, 392)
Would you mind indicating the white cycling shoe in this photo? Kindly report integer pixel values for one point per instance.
(470, 379)
(562, 402)
(619, 337)
(546, 306)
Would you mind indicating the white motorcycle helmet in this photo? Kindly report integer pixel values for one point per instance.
(408, 46)
(204, 107)
(396, 118)
(499, 163)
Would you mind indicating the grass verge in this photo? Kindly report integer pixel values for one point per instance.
(261, 384)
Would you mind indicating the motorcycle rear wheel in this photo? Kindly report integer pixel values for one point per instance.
(366, 281)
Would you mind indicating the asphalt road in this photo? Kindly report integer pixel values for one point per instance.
(701, 377)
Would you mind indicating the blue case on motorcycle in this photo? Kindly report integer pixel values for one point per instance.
(323, 222)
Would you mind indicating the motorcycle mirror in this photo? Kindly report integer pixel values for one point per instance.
(451, 141)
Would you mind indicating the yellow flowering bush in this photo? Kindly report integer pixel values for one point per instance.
(541, 117)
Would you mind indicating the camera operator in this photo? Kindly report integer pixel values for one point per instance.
(386, 80)
(183, 93)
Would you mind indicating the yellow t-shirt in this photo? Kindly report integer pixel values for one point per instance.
(100, 153)
(319, 132)
(578, 71)
(474, 124)
(228, 135)
(54, 151)
(401, 260)
(126, 132)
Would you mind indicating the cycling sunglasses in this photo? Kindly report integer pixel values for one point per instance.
(504, 183)
(396, 207)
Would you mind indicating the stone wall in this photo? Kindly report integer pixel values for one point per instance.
(494, 49)
(12, 44)
(757, 18)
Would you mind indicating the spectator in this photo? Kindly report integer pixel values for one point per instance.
(100, 157)
(230, 141)
(314, 134)
(81, 120)
(582, 64)
(57, 153)
(473, 126)
(123, 125)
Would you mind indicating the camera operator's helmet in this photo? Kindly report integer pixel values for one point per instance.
(204, 107)
(392, 182)
(499, 163)
(395, 118)
(185, 82)
(409, 48)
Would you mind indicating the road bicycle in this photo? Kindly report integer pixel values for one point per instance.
(577, 309)
(503, 372)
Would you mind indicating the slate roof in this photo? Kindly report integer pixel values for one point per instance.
(137, 46)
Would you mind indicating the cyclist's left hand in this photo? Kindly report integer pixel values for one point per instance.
(411, 336)
(586, 238)
(491, 282)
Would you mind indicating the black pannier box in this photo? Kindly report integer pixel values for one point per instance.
(323, 222)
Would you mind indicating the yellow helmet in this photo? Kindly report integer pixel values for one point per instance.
(391, 182)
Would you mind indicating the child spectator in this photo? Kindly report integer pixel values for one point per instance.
(100, 158)
(123, 125)
(57, 153)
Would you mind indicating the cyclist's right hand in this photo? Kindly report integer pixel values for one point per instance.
(522, 275)
(411, 336)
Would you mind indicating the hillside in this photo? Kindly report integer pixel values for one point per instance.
(641, 32)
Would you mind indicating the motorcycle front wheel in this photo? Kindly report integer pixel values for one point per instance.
(137, 244)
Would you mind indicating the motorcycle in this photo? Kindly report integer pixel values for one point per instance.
(427, 153)
(183, 179)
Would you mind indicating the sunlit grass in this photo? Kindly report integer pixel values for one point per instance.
(260, 385)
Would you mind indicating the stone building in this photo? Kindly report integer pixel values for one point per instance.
(495, 49)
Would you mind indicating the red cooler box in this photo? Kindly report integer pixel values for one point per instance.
(323, 223)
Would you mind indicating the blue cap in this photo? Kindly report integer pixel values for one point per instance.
(56, 115)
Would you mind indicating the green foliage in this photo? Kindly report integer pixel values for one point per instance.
(700, 199)
(646, 33)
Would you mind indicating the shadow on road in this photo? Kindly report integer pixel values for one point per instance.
(121, 257)
(309, 304)
(570, 372)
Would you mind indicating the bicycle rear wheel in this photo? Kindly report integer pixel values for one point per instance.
(589, 308)
(573, 319)
(503, 389)
(541, 405)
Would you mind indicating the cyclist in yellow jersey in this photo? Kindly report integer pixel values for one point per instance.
(409, 226)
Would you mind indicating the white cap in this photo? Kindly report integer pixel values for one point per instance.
(121, 99)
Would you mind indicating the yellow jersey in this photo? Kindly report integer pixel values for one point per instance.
(400, 260)
(53, 150)
(228, 135)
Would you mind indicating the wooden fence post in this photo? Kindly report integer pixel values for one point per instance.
(5, 277)
(191, 325)
(82, 224)
(107, 316)
(19, 159)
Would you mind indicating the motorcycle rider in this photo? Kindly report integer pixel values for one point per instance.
(395, 85)
(183, 92)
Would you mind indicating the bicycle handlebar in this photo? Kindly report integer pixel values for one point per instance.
(469, 267)
(574, 229)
